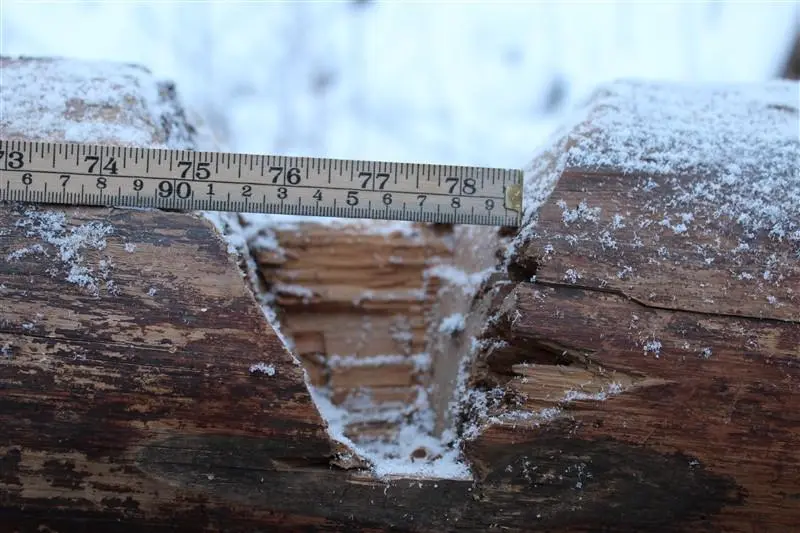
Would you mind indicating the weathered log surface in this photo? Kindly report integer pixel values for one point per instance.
(129, 410)
(92, 381)
(650, 332)
(128, 403)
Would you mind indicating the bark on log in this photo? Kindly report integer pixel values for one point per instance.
(128, 402)
(646, 353)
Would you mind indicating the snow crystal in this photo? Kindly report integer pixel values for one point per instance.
(452, 324)
(573, 395)
(582, 213)
(70, 242)
(571, 276)
(420, 361)
(607, 241)
(130, 247)
(262, 368)
(626, 271)
(468, 282)
(653, 346)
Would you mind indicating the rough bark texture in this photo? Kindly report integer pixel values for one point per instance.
(652, 370)
(128, 404)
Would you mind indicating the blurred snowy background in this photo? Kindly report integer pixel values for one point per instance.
(474, 83)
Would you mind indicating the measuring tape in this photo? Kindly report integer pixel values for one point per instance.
(99, 175)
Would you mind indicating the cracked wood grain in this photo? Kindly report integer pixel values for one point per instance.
(642, 336)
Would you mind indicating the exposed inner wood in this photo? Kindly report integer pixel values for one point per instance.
(476, 252)
(365, 304)
(357, 299)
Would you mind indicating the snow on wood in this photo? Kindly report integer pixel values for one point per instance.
(721, 134)
(650, 302)
(456, 277)
(553, 401)
(68, 242)
(452, 324)
(352, 298)
(83, 101)
(708, 173)
(88, 101)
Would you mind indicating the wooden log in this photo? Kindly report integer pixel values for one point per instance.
(647, 347)
(142, 389)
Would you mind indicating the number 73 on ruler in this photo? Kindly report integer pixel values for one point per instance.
(99, 175)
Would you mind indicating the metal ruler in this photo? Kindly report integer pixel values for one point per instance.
(99, 175)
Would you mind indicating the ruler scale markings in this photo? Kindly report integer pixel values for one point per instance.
(145, 178)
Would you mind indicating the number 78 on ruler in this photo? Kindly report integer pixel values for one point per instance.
(100, 175)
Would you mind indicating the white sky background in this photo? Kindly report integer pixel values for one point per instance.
(442, 82)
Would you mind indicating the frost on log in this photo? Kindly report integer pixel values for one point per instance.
(628, 361)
